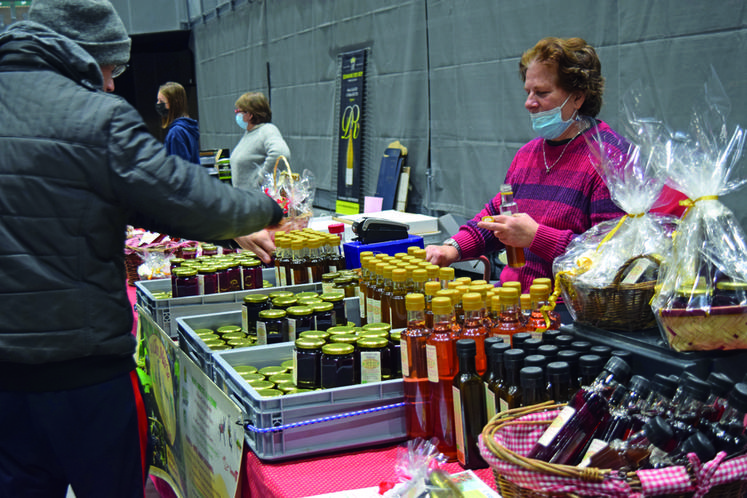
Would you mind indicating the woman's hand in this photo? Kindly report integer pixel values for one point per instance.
(441, 255)
(261, 243)
(515, 231)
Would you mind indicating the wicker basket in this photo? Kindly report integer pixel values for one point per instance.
(132, 262)
(513, 432)
(724, 328)
(618, 306)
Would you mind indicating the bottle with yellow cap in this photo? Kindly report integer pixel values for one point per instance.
(473, 328)
(442, 367)
(397, 311)
(539, 321)
(315, 263)
(510, 320)
(526, 308)
(445, 275)
(336, 261)
(415, 370)
(431, 287)
(386, 293)
(299, 271)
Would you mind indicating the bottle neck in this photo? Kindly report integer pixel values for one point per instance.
(467, 364)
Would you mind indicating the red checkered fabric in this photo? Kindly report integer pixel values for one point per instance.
(670, 480)
(717, 471)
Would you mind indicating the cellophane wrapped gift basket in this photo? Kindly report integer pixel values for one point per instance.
(701, 299)
(294, 192)
(607, 274)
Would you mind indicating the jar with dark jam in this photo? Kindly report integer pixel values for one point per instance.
(284, 303)
(730, 293)
(188, 252)
(375, 359)
(337, 300)
(209, 249)
(337, 365)
(307, 355)
(251, 273)
(300, 319)
(685, 297)
(315, 334)
(252, 305)
(208, 279)
(396, 362)
(233, 274)
(324, 315)
(185, 283)
(276, 294)
(272, 327)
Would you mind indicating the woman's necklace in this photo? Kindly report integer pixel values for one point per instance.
(544, 145)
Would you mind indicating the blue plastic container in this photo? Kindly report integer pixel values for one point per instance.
(353, 250)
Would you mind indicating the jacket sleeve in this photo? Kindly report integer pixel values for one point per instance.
(169, 195)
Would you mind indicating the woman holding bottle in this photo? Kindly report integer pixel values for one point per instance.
(555, 185)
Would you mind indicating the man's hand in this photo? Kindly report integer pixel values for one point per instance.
(261, 243)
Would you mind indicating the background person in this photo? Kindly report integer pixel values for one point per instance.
(183, 133)
(260, 146)
(78, 165)
(554, 182)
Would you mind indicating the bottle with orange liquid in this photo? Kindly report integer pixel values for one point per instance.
(509, 319)
(442, 367)
(397, 311)
(431, 288)
(514, 255)
(540, 321)
(473, 328)
(415, 369)
(554, 315)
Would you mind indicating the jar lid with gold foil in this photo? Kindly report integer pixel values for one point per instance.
(272, 314)
(240, 369)
(269, 393)
(372, 342)
(256, 298)
(277, 294)
(228, 329)
(309, 343)
(261, 384)
(305, 294)
(314, 334)
(299, 310)
(378, 326)
(332, 297)
(321, 307)
(337, 348)
(343, 338)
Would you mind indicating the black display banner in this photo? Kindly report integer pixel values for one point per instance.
(350, 132)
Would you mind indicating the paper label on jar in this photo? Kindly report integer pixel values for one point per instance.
(283, 281)
(295, 367)
(332, 268)
(244, 320)
(503, 404)
(405, 363)
(292, 329)
(370, 367)
(201, 284)
(563, 417)
(261, 333)
(489, 401)
(432, 362)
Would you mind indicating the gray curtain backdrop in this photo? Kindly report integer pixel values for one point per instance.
(443, 77)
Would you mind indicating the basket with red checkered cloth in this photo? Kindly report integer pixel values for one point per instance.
(510, 435)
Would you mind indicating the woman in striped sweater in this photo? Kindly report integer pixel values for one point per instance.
(554, 182)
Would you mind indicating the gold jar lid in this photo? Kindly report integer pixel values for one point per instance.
(203, 332)
(284, 302)
(332, 297)
(329, 277)
(256, 298)
(250, 262)
(378, 326)
(228, 329)
(185, 272)
(272, 314)
(299, 310)
(287, 387)
(214, 342)
(231, 336)
(240, 343)
(314, 334)
(395, 336)
(305, 294)
(277, 294)
(210, 337)
(343, 338)
(252, 376)
(240, 369)
(281, 378)
(261, 384)
(308, 301)
(309, 343)
(288, 365)
(373, 342)
(338, 348)
(320, 307)
(272, 370)
(269, 393)
(374, 333)
(341, 329)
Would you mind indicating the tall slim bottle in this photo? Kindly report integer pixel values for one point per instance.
(510, 393)
(431, 288)
(397, 311)
(442, 367)
(473, 328)
(415, 369)
(495, 379)
(514, 255)
(386, 293)
(469, 406)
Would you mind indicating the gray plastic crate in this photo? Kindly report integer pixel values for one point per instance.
(165, 311)
(310, 423)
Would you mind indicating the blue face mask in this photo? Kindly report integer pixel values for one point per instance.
(550, 124)
(240, 120)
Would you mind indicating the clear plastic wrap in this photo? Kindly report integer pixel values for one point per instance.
(293, 192)
(608, 273)
(701, 302)
(418, 471)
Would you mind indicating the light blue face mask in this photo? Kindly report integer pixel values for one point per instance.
(240, 120)
(550, 124)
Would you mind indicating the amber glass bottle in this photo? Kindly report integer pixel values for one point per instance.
(299, 270)
(377, 283)
(397, 311)
(431, 288)
(538, 321)
(509, 320)
(336, 261)
(386, 293)
(508, 207)
(442, 367)
(473, 328)
(315, 261)
(445, 275)
(415, 370)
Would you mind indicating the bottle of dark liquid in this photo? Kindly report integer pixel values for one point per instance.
(656, 433)
(517, 340)
(589, 366)
(559, 386)
(689, 406)
(697, 443)
(510, 394)
(495, 383)
(489, 374)
(533, 386)
(564, 341)
(659, 401)
(728, 434)
(469, 406)
(473, 328)
(548, 350)
(508, 207)
(282, 261)
(570, 356)
(387, 291)
(373, 307)
(442, 367)
(721, 385)
(415, 370)
(602, 351)
(626, 415)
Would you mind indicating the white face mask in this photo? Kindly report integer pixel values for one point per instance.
(550, 124)
(240, 120)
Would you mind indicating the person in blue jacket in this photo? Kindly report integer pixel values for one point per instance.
(183, 135)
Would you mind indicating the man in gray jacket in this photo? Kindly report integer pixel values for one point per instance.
(77, 165)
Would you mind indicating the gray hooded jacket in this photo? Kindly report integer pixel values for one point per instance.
(76, 166)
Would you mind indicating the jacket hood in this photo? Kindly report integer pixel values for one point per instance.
(27, 44)
(189, 125)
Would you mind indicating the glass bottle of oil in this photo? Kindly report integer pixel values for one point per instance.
(430, 289)
(415, 370)
(386, 293)
(315, 258)
(442, 367)
(509, 320)
(336, 259)
(397, 311)
(510, 394)
(508, 207)
(469, 406)
(445, 275)
(473, 328)
(377, 283)
(299, 270)
(538, 321)
(283, 260)
(554, 315)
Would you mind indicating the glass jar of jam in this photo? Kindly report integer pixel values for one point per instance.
(284, 303)
(375, 359)
(251, 273)
(730, 293)
(208, 278)
(337, 300)
(328, 282)
(186, 283)
(324, 315)
(250, 308)
(337, 365)
(396, 363)
(346, 285)
(307, 354)
(300, 319)
(351, 339)
(315, 334)
(188, 252)
(209, 249)
(341, 329)
(272, 327)
(233, 274)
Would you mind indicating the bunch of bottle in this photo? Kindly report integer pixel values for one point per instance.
(304, 256)
(212, 273)
(620, 422)
(453, 347)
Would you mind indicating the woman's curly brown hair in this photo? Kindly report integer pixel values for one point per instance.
(579, 68)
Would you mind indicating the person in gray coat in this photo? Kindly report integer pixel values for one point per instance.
(77, 165)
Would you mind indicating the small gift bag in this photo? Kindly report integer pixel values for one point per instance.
(294, 193)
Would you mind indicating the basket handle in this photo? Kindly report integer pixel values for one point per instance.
(275, 171)
(621, 271)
